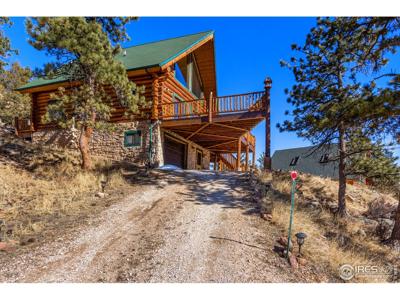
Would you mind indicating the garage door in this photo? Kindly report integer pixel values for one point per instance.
(174, 152)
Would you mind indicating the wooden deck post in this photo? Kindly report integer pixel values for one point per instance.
(247, 158)
(267, 156)
(154, 95)
(254, 158)
(239, 154)
(215, 162)
(210, 106)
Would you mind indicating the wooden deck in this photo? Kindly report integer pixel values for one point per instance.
(220, 124)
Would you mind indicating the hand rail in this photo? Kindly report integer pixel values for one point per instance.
(23, 125)
(238, 103)
(191, 108)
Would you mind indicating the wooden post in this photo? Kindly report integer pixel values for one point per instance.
(220, 165)
(210, 112)
(254, 158)
(239, 154)
(154, 95)
(267, 157)
(189, 75)
(215, 162)
(247, 158)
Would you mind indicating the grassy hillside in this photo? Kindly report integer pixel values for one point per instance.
(43, 187)
(332, 242)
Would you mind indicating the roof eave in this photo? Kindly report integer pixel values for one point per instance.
(176, 57)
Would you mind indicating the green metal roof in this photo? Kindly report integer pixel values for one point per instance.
(142, 56)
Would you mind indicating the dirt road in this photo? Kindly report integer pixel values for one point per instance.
(187, 226)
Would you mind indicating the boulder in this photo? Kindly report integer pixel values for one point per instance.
(100, 195)
(7, 246)
(314, 205)
(293, 261)
(267, 217)
(343, 240)
(279, 250)
(384, 228)
(361, 233)
(284, 241)
(302, 261)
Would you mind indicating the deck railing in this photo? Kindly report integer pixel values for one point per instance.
(229, 160)
(23, 126)
(219, 106)
(184, 109)
(238, 103)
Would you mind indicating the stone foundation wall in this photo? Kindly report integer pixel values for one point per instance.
(110, 144)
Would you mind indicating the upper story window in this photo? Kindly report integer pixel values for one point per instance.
(187, 73)
(294, 161)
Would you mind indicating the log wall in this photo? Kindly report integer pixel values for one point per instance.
(160, 87)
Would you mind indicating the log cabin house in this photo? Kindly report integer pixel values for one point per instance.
(188, 125)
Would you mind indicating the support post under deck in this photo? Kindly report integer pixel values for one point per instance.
(239, 154)
(247, 158)
(267, 153)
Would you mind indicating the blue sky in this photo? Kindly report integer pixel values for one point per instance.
(247, 50)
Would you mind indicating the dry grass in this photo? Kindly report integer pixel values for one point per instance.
(331, 242)
(32, 201)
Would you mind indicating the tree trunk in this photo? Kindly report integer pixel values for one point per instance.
(84, 139)
(86, 134)
(342, 212)
(396, 229)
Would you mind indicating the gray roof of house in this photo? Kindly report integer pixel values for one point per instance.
(308, 162)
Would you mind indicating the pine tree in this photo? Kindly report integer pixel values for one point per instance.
(12, 103)
(85, 50)
(5, 44)
(373, 161)
(329, 100)
(381, 111)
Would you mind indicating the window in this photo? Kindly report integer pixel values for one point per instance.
(53, 109)
(132, 138)
(324, 158)
(294, 160)
(187, 73)
(179, 75)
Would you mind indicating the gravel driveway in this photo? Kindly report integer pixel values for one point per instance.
(188, 226)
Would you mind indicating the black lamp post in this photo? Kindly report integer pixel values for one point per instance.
(301, 236)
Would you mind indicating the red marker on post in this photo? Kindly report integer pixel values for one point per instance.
(293, 174)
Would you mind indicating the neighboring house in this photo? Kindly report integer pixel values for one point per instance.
(305, 160)
(188, 125)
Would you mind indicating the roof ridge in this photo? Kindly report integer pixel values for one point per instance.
(166, 39)
(303, 147)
